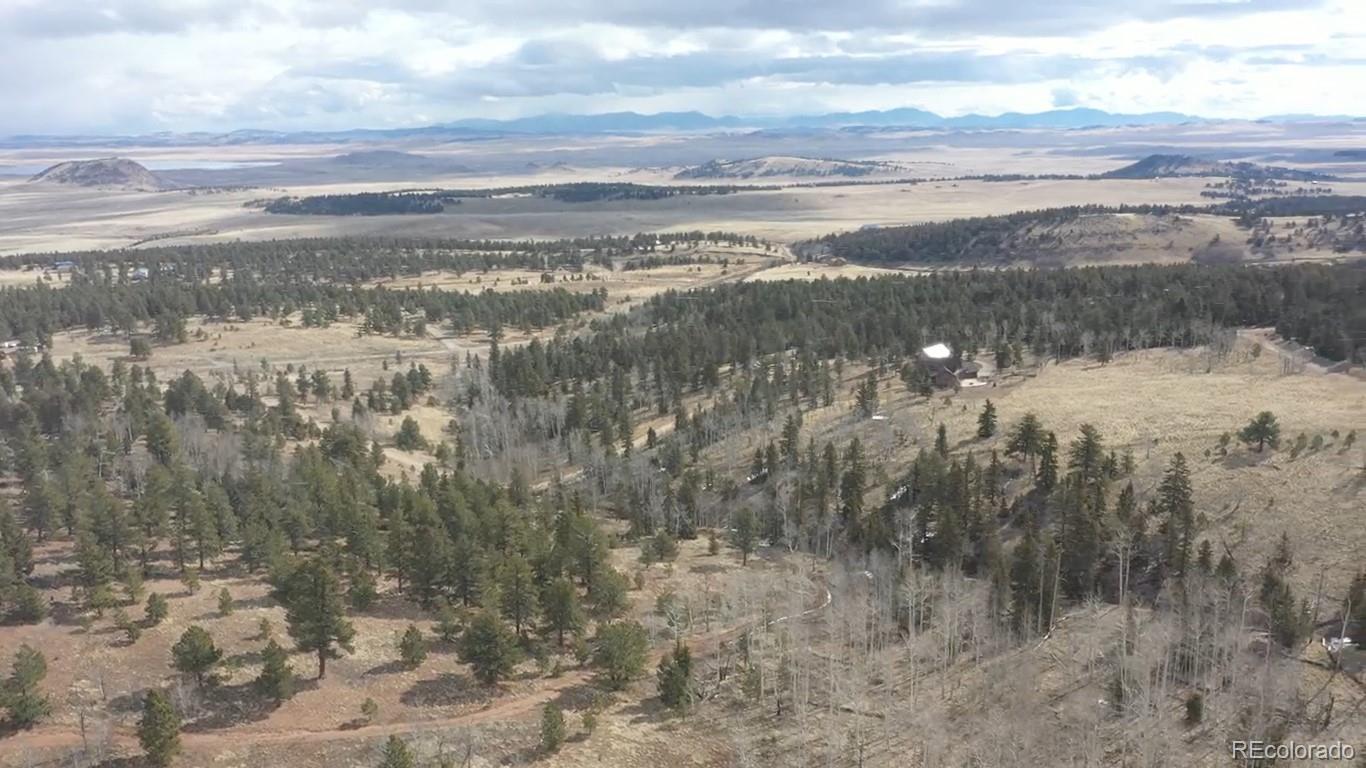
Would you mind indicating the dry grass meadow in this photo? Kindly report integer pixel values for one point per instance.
(66, 219)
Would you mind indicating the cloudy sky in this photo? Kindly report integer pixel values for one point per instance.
(150, 65)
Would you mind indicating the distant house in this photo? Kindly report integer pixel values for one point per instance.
(969, 370)
(11, 344)
(139, 274)
(1348, 655)
(940, 362)
(938, 353)
(64, 266)
(943, 378)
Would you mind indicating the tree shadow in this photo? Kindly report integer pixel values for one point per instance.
(9, 728)
(134, 761)
(393, 606)
(1247, 458)
(354, 724)
(646, 710)
(577, 697)
(244, 658)
(260, 601)
(387, 668)
(127, 703)
(450, 689)
(226, 706)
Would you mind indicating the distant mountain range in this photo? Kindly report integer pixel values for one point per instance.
(634, 122)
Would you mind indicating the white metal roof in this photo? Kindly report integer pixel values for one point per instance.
(938, 351)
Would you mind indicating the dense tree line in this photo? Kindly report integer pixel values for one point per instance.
(361, 204)
(361, 258)
(683, 342)
(1011, 237)
(1335, 205)
(38, 312)
(976, 240)
(420, 201)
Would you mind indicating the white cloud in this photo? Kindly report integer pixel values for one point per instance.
(145, 65)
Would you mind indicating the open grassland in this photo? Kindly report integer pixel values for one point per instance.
(1155, 403)
(623, 286)
(66, 219)
(264, 344)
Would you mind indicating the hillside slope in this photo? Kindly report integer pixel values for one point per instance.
(1163, 166)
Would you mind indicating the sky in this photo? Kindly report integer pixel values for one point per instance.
(137, 66)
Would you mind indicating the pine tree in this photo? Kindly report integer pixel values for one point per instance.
(21, 695)
(986, 420)
(1026, 439)
(562, 611)
(607, 591)
(745, 535)
(674, 678)
(397, 754)
(362, 591)
(489, 647)
(1024, 583)
(447, 625)
(1174, 502)
(195, 654)
(663, 548)
(853, 484)
(1047, 477)
(276, 680)
(159, 729)
(224, 602)
(941, 440)
(315, 612)
(1262, 430)
(203, 530)
(151, 511)
(29, 605)
(552, 727)
(412, 648)
(157, 608)
(517, 590)
(96, 569)
(791, 440)
(409, 437)
(866, 399)
(429, 559)
(621, 652)
(15, 545)
(161, 438)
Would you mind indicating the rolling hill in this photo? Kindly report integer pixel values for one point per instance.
(1160, 166)
(106, 172)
